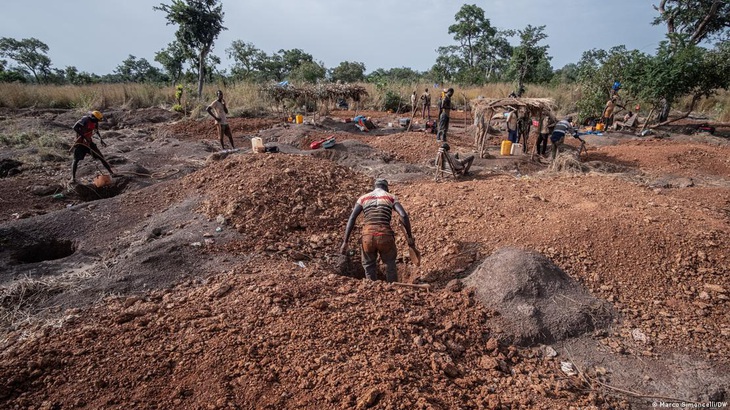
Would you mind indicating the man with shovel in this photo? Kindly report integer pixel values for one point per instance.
(378, 237)
(84, 144)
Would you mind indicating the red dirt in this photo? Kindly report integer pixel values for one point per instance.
(259, 330)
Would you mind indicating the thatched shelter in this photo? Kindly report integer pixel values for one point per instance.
(320, 93)
(485, 108)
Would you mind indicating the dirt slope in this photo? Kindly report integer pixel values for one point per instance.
(258, 320)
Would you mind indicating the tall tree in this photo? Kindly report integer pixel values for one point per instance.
(689, 23)
(694, 21)
(28, 52)
(199, 24)
(248, 60)
(172, 59)
(481, 50)
(133, 70)
(529, 58)
(348, 72)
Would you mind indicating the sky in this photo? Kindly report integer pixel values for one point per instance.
(96, 36)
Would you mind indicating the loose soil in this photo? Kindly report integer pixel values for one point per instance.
(210, 279)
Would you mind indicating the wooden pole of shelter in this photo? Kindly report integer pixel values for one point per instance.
(646, 123)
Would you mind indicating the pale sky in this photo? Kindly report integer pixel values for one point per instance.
(96, 36)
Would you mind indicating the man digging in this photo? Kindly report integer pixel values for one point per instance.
(378, 237)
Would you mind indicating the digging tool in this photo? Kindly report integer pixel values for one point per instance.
(425, 286)
(413, 252)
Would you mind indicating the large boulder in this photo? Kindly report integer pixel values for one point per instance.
(537, 301)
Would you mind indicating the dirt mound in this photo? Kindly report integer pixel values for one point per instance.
(286, 337)
(537, 301)
(291, 204)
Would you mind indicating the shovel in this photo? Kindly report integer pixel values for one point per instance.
(413, 252)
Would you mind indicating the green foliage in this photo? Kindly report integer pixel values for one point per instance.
(133, 70)
(481, 55)
(199, 24)
(348, 72)
(530, 62)
(309, 72)
(402, 75)
(597, 70)
(694, 21)
(249, 61)
(29, 53)
(172, 59)
(393, 101)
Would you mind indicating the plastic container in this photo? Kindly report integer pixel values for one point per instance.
(505, 149)
(300, 118)
(257, 144)
(102, 180)
(516, 149)
(600, 126)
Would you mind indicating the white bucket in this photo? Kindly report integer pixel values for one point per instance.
(516, 149)
(257, 144)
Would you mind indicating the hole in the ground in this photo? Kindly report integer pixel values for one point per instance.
(90, 192)
(45, 251)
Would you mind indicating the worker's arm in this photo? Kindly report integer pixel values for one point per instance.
(225, 107)
(98, 134)
(210, 111)
(406, 221)
(350, 225)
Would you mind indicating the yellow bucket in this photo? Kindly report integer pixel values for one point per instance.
(300, 118)
(506, 147)
(600, 126)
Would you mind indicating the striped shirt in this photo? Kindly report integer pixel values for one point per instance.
(563, 127)
(378, 207)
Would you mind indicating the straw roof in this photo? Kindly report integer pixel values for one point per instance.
(320, 92)
(533, 104)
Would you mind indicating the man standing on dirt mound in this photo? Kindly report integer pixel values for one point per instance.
(377, 234)
(219, 106)
(444, 111)
(84, 144)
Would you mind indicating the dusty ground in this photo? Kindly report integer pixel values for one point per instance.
(213, 281)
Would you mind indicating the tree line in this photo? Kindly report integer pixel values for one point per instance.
(694, 60)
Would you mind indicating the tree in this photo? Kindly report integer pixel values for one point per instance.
(249, 61)
(671, 74)
(481, 52)
(309, 72)
(28, 52)
(133, 70)
(199, 24)
(689, 23)
(172, 59)
(529, 59)
(348, 72)
(596, 72)
(694, 21)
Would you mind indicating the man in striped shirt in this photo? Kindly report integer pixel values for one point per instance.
(378, 237)
(561, 128)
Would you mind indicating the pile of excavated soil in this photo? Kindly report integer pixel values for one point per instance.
(537, 302)
(290, 204)
(286, 337)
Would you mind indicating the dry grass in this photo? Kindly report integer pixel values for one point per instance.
(245, 97)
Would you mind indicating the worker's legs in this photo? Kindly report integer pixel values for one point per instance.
(443, 127)
(221, 134)
(372, 245)
(556, 147)
(466, 162)
(80, 152)
(541, 144)
(427, 109)
(512, 136)
(227, 131)
(370, 257)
